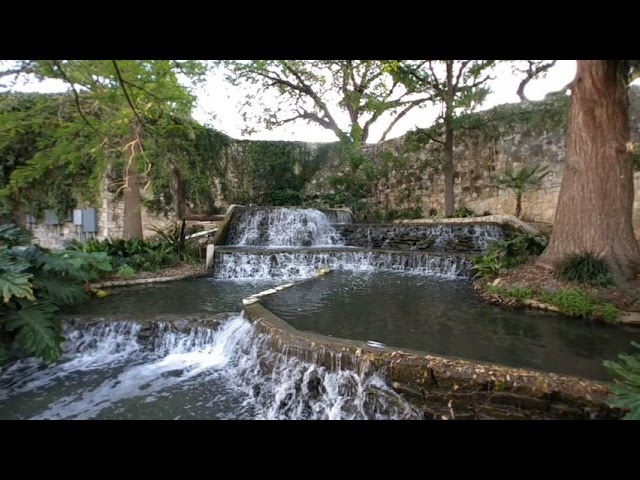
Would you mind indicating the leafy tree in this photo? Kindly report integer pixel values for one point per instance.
(595, 205)
(116, 103)
(521, 181)
(456, 87)
(364, 90)
(346, 97)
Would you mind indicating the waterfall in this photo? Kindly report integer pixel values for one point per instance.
(285, 227)
(108, 366)
(291, 264)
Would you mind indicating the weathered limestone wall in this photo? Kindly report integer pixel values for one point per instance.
(480, 154)
(110, 225)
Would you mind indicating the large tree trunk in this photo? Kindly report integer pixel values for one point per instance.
(449, 203)
(594, 212)
(132, 197)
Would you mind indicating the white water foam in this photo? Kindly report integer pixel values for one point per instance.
(286, 227)
(234, 361)
(292, 265)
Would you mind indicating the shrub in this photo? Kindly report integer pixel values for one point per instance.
(584, 268)
(627, 387)
(463, 211)
(284, 198)
(508, 253)
(34, 284)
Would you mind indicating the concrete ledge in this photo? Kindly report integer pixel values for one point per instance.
(496, 219)
(444, 387)
(144, 281)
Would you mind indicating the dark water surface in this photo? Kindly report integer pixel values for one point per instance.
(445, 317)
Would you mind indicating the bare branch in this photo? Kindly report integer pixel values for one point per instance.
(406, 110)
(532, 72)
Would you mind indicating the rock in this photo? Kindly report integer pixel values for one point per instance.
(496, 282)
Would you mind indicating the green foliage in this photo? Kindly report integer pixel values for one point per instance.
(285, 198)
(636, 158)
(125, 271)
(12, 235)
(508, 253)
(35, 283)
(522, 180)
(463, 211)
(627, 386)
(574, 301)
(489, 265)
(128, 256)
(56, 149)
(584, 268)
(520, 293)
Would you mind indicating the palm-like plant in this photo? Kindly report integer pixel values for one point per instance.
(521, 181)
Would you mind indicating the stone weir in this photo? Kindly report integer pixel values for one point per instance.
(257, 263)
(441, 387)
(267, 242)
(444, 237)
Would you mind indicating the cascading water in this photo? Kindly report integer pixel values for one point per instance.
(112, 370)
(285, 227)
(292, 264)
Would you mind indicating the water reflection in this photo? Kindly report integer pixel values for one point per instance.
(445, 317)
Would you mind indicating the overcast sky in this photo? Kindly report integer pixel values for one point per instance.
(219, 103)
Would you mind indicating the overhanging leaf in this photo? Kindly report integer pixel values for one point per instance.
(16, 285)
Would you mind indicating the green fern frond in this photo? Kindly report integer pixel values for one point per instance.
(59, 291)
(12, 235)
(16, 285)
(627, 372)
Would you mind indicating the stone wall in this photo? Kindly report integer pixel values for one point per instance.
(516, 141)
(110, 225)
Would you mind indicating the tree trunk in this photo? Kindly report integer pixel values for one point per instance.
(448, 170)
(594, 212)
(518, 204)
(449, 201)
(132, 198)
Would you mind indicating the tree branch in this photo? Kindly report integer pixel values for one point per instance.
(75, 94)
(124, 89)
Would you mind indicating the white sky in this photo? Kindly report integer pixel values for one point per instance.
(219, 103)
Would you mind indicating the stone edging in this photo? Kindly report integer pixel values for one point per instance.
(440, 385)
(626, 318)
(144, 281)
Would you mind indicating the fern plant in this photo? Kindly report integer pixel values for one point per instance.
(34, 284)
(627, 386)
